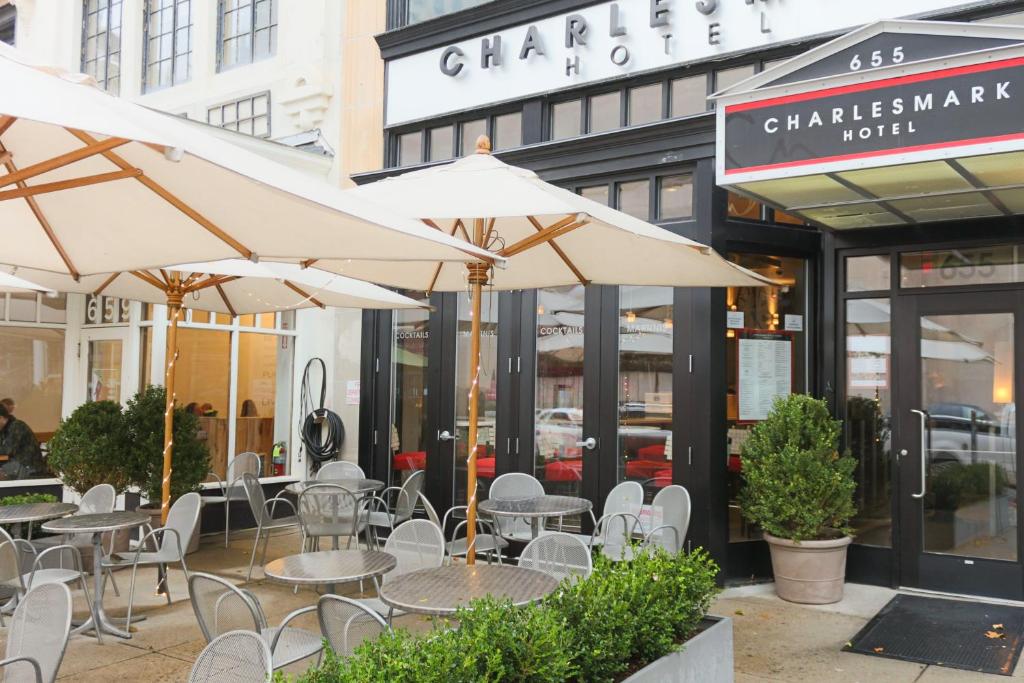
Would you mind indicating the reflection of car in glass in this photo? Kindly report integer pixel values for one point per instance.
(967, 434)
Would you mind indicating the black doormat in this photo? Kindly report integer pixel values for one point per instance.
(954, 633)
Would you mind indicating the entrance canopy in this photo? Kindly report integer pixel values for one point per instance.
(899, 122)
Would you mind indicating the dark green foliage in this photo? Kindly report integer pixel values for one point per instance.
(953, 485)
(796, 485)
(144, 416)
(625, 615)
(92, 447)
(27, 498)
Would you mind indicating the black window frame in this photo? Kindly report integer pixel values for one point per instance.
(103, 83)
(272, 26)
(252, 98)
(147, 12)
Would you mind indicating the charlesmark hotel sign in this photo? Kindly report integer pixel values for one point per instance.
(609, 40)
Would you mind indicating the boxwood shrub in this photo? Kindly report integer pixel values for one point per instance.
(623, 616)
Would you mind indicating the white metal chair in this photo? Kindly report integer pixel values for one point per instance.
(515, 486)
(340, 469)
(38, 636)
(328, 510)
(346, 623)
(415, 544)
(488, 543)
(231, 488)
(383, 515)
(174, 538)
(563, 556)
(234, 657)
(266, 523)
(619, 521)
(221, 607)
(68, 569)
(673, 502)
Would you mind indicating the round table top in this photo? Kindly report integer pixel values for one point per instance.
(440, 591)
(353, 485)
(34, 512)
(98, 522)
(330, 566)
(537, 506)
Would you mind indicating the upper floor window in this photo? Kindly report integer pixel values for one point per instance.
(405, 12)
(101, 43)
(249, 115)
(248, 31)
(167, 43)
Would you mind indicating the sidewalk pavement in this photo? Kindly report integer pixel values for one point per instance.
(781, 641)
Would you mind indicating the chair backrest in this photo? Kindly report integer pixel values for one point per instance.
(221, 607)
(408, 496)
(324, 509)
(560, 555)
(257, 499)
(244, 463)
(416, 544)
(234, 657)
(431, 511)
(39, 629)
(674, 502)
(512, 486)
(10, 561)
(626, 497)
(182, 517)
(346, 623)
(99, 499)
(340, 469)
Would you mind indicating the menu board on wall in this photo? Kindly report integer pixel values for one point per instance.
(765, 362)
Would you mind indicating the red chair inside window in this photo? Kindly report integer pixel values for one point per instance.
(412, 460)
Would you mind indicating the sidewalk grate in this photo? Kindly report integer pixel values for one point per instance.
(958, 634)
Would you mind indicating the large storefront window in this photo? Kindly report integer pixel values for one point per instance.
(203, 384)
(766, 357)
(408, 425)
(645, 386)
(487, 396)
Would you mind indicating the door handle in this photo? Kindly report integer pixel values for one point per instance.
(447, 436)
(924, 418)
(590, 443)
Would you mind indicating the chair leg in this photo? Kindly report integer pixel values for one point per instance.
(113, 582)
(252, 559)
(266, 545)
(92, 608)
(227, 520)
(167, 582)
(131, 597)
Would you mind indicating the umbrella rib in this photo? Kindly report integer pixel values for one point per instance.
(224, 298)
(70, 184)
(106, 283)
(308, 262)
(33, 206)
(300, 292)
(7, 123)
(213, 281)
(561, 254)
(558, 229)
(61, 160)
(170, 198)
(149, 279)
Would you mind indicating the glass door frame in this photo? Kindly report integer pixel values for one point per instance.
(91, 334)
(916, 567)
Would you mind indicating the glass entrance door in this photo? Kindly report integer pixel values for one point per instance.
(957, 448)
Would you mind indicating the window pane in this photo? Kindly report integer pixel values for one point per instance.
(200, 317)
(999, 264)
(33, 375)
(787, 218)
(634, 198)
(421, 10)
(410, 150)
(202, 380)
(605, 112)
(23, 307)
(675, 197)
(508, 131)
(262, 367)
(597, 193)
(645, 387)
(486, 397)
(729, 77)
(408, 440)
(469, 132)
(744, 207)
(867, 273)
(54, 309)
(565, 119)
(868, 413)
(441, 143)
(644, 104)
(689, 95)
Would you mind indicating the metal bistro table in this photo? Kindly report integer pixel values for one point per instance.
(33, 512)
(330, 567)
(536, 508)
(97, 525)
(440, 591)
(357, 486)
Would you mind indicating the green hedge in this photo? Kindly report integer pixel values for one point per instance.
(625, 615)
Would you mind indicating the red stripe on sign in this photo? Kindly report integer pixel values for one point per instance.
(877, 153)
(876, 85)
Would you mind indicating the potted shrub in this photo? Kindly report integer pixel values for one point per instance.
(144, 416)
(799, 489)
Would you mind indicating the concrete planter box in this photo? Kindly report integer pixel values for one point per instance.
(705, 658)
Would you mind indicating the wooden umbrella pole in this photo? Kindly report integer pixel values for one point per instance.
(478, 273)
(174, 300)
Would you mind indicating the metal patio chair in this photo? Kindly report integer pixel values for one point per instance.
(231, 488)
(385, 515)
(560, 555)
(346, 623)
(221, 607)
(340, 469)
(619, 518)
(174, 538)
(513, 486)
(233, 657)
(329, 510)
(266, 523)
(415, 544)
(674, 502)
(488, 543)
(38, 636)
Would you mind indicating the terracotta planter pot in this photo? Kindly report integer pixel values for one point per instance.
(154, 515)
(810, 572)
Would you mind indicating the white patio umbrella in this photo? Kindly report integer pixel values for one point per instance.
(96, 184)
(11, 283)
(550, 237)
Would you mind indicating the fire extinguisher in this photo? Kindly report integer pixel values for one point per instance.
(280, 456)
